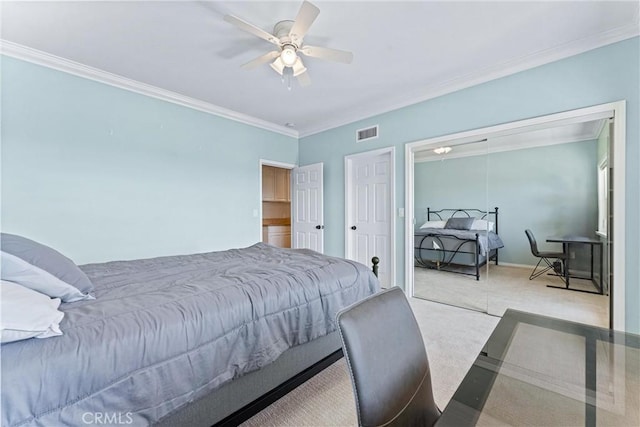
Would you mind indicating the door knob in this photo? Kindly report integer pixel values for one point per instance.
(354, 227)
(319, 227)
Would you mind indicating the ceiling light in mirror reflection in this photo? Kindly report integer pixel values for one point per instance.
(442, 150)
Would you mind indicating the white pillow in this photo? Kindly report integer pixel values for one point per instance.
(20, 271)
(433, 224)
(26, 313)
(483, 224)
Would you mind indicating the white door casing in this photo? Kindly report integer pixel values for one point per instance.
(369, 202)
(307, 221)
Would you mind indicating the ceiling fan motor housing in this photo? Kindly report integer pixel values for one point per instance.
(281, 30)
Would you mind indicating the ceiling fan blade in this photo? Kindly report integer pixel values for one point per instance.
(304, 79)
(328, 54)
(306, 15)
(250, 28)
(267, 57)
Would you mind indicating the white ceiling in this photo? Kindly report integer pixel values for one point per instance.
(520, 139)
(404, 52)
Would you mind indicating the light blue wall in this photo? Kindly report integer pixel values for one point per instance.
(608, 74)
(102, 173)
(450, 184)
(551, 190)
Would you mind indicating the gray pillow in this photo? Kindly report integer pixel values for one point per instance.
(34, 262)
(459, 223)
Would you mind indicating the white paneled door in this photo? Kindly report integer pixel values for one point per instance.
(308, 219)
(369, 205)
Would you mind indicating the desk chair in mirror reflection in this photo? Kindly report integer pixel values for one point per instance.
(560, 262)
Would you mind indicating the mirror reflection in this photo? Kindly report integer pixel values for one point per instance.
(455, 234)
(517, 221)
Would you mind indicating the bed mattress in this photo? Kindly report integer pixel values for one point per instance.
(163, 332)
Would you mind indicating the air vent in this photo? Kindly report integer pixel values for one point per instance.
(366, 134)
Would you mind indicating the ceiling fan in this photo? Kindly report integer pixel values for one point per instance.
(288, 37)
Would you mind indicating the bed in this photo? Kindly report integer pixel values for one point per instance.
(184, 340)
(459, 241)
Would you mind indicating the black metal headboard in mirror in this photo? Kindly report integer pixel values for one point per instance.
(444, 214)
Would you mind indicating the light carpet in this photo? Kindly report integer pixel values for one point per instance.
(501, 287)
(453, 338)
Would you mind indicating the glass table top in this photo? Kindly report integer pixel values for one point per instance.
(542, 371)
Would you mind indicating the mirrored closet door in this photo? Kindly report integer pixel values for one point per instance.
(451, 218)
(520, 218)
(551, 187)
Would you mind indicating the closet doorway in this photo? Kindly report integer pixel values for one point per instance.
(609, 119)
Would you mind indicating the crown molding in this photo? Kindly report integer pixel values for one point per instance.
(426, 156)
(38, 57)
(494, 72)
(487, 74)
(503, 144)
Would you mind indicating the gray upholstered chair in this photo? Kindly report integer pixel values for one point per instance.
(387, 362)
(557, 265)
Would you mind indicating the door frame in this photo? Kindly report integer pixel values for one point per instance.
(348, 164)
(277, 164)
(617, 290)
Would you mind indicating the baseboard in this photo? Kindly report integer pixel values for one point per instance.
(509, 264)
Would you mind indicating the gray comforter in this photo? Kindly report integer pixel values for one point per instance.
(165, 331)
(487, 240)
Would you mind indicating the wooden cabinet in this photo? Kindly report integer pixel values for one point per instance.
(278, 235)
(268, 183)
(276, 184)
(282, 185)
(276, 206)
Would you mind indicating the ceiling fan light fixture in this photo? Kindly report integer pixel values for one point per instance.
(442, 150)
(278, 65)
(289, 36)
(298, 68)
(288, 55)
